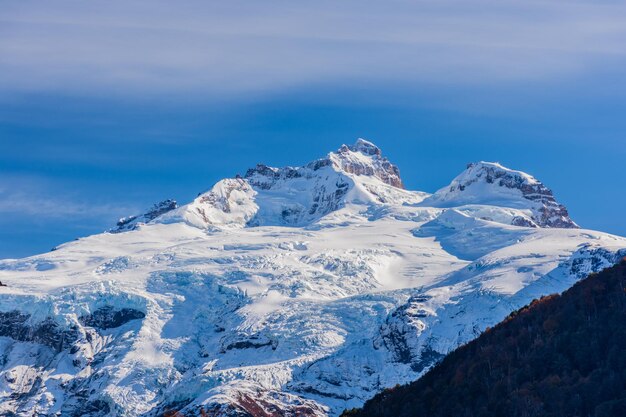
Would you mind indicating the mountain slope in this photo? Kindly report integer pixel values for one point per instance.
(560, 356)
(304, 290)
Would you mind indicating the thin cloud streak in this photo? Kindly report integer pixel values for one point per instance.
(32, 197)
(211, 49)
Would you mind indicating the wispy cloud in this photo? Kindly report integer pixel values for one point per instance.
(42, 200)
(221, 48)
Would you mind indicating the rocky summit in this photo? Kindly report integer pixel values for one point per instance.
(296, 291)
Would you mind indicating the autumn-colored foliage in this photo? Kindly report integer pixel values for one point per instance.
(560, 356)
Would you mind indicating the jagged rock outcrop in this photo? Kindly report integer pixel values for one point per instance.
(265, 177)
(347, 159)
(130, 223)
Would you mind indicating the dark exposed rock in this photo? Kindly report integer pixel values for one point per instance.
(171, 408)
(264, 404)
(428, 357)
(324, 198)
(159, 209)
(254, 341)
(588, 259)
(522, 222)
(248, 344)
(263, 176)
(48, 332)
(109, 318)
(399, 334)
(96, 408)
(130, 223)
(396, 342)
(319, 164)
(257, 403)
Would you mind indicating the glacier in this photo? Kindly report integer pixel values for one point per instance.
(296, 291)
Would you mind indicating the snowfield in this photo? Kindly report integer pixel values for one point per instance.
(297, 290)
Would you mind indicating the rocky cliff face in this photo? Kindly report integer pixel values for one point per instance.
(17, 326)
(350, 159)
(400, 334)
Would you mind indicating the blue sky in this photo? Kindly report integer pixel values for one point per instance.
(106, 108)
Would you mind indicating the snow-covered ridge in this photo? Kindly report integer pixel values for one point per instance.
(295, 291)
(297, 196)
(362, 158)
(489, 183)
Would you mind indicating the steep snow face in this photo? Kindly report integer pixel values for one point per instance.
(230, 203)
(487, 183)
(293, 291)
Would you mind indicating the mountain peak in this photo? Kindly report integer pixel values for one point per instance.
(361, 159)
(363, 146)
(491, 183)
(365, 158)
(298, 195)
(491, 170)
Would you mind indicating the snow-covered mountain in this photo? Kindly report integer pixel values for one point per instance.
(289, 291)
(299, 196)
(487, 183)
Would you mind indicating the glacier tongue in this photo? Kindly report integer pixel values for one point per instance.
(301, 291)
